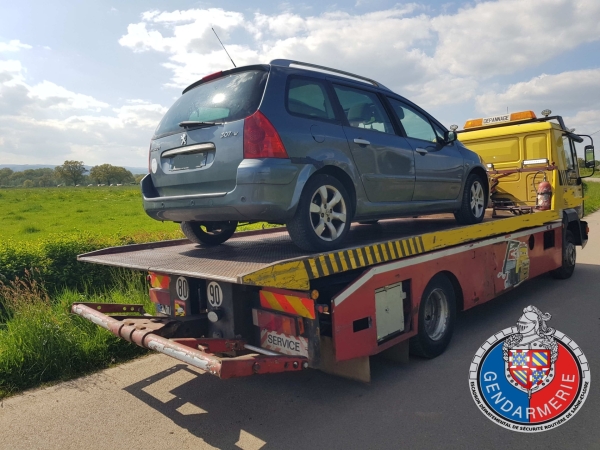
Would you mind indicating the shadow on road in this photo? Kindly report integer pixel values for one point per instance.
(424, 404)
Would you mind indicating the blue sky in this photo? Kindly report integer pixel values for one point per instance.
(90, 80)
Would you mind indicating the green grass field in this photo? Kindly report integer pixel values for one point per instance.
(29, 214)
(591, 197)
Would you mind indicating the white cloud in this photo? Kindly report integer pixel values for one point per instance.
(443, 63)
(562, 93)
(585, 122)
(47, 123)
(54, 96)
(502, 37)
(13, 46)
(436, 58)
(383, 44)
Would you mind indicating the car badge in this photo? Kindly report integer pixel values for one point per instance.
(183, 139)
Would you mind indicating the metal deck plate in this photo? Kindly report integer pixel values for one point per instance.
(269, 258)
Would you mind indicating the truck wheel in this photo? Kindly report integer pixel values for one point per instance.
(323, 216)
(472, 208)
(437, 314)
(569, 257)
(208, 233)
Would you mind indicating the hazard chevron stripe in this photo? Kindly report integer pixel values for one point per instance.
(356, 258)
(303, 307)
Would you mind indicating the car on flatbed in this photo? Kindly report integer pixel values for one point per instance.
(307, 146)
(260, 305)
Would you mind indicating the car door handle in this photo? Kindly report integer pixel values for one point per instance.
(361, 142)
(421, 151)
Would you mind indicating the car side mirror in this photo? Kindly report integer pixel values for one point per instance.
(590, 159)
(449, 137)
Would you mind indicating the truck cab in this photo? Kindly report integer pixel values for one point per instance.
(521, 151)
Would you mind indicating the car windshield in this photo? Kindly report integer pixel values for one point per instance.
(225, 99)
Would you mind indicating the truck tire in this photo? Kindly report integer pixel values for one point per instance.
(568, 260)
(437, 314)
(323, 216)
(472, 208)
(208, 233)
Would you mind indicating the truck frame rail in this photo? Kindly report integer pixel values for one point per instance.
(198, 352)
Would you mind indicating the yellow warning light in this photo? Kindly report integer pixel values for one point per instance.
(473, 123)
(504, 118)
(522, 115)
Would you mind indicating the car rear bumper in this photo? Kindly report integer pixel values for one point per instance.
(265, 191)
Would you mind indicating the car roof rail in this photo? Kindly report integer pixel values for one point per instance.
(289, 63)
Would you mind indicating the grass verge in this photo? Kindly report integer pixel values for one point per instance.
(591, 194)
(42, 342)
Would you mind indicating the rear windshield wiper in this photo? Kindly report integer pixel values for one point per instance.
(195, 123)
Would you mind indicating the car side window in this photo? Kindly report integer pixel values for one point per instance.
(415, 124)
(363, 109)
(308, 97)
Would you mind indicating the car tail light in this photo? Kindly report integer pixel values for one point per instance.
(260, 138)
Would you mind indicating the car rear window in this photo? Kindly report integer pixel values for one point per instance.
(225, 99)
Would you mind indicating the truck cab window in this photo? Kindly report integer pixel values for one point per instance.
(568, 145)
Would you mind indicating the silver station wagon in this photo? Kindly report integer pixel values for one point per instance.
(307, 146)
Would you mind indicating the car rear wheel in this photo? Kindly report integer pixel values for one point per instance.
(208, 233)
(472, 208)
(323, 216)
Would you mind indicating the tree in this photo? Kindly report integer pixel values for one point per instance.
(71, 171)
(107, 173)
(138, 178)
(5, 174)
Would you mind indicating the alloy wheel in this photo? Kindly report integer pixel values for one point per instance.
(477, 199)
(328, 213)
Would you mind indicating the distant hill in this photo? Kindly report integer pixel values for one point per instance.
(22, 167)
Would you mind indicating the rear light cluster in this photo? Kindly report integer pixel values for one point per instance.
(261, 140)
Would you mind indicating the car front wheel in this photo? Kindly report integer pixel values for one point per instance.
(472, 208)
(323, 216)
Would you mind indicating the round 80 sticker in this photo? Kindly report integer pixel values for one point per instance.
(183, 290)
(214, 294)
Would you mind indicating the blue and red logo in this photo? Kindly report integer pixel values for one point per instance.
(529, 378)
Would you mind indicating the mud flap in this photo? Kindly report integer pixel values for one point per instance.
(577, 227)
(358, 369)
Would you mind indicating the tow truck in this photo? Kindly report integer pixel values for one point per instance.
(257, 304)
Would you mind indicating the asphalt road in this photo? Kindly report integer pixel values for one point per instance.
(156, 403)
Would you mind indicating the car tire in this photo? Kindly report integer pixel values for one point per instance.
(437, 315)
(568, 260)
(323, 216)
(472, 208)
(208, 233)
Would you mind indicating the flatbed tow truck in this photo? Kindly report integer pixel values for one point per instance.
(257, 304)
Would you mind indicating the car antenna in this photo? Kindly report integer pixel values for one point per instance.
(223, 46)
